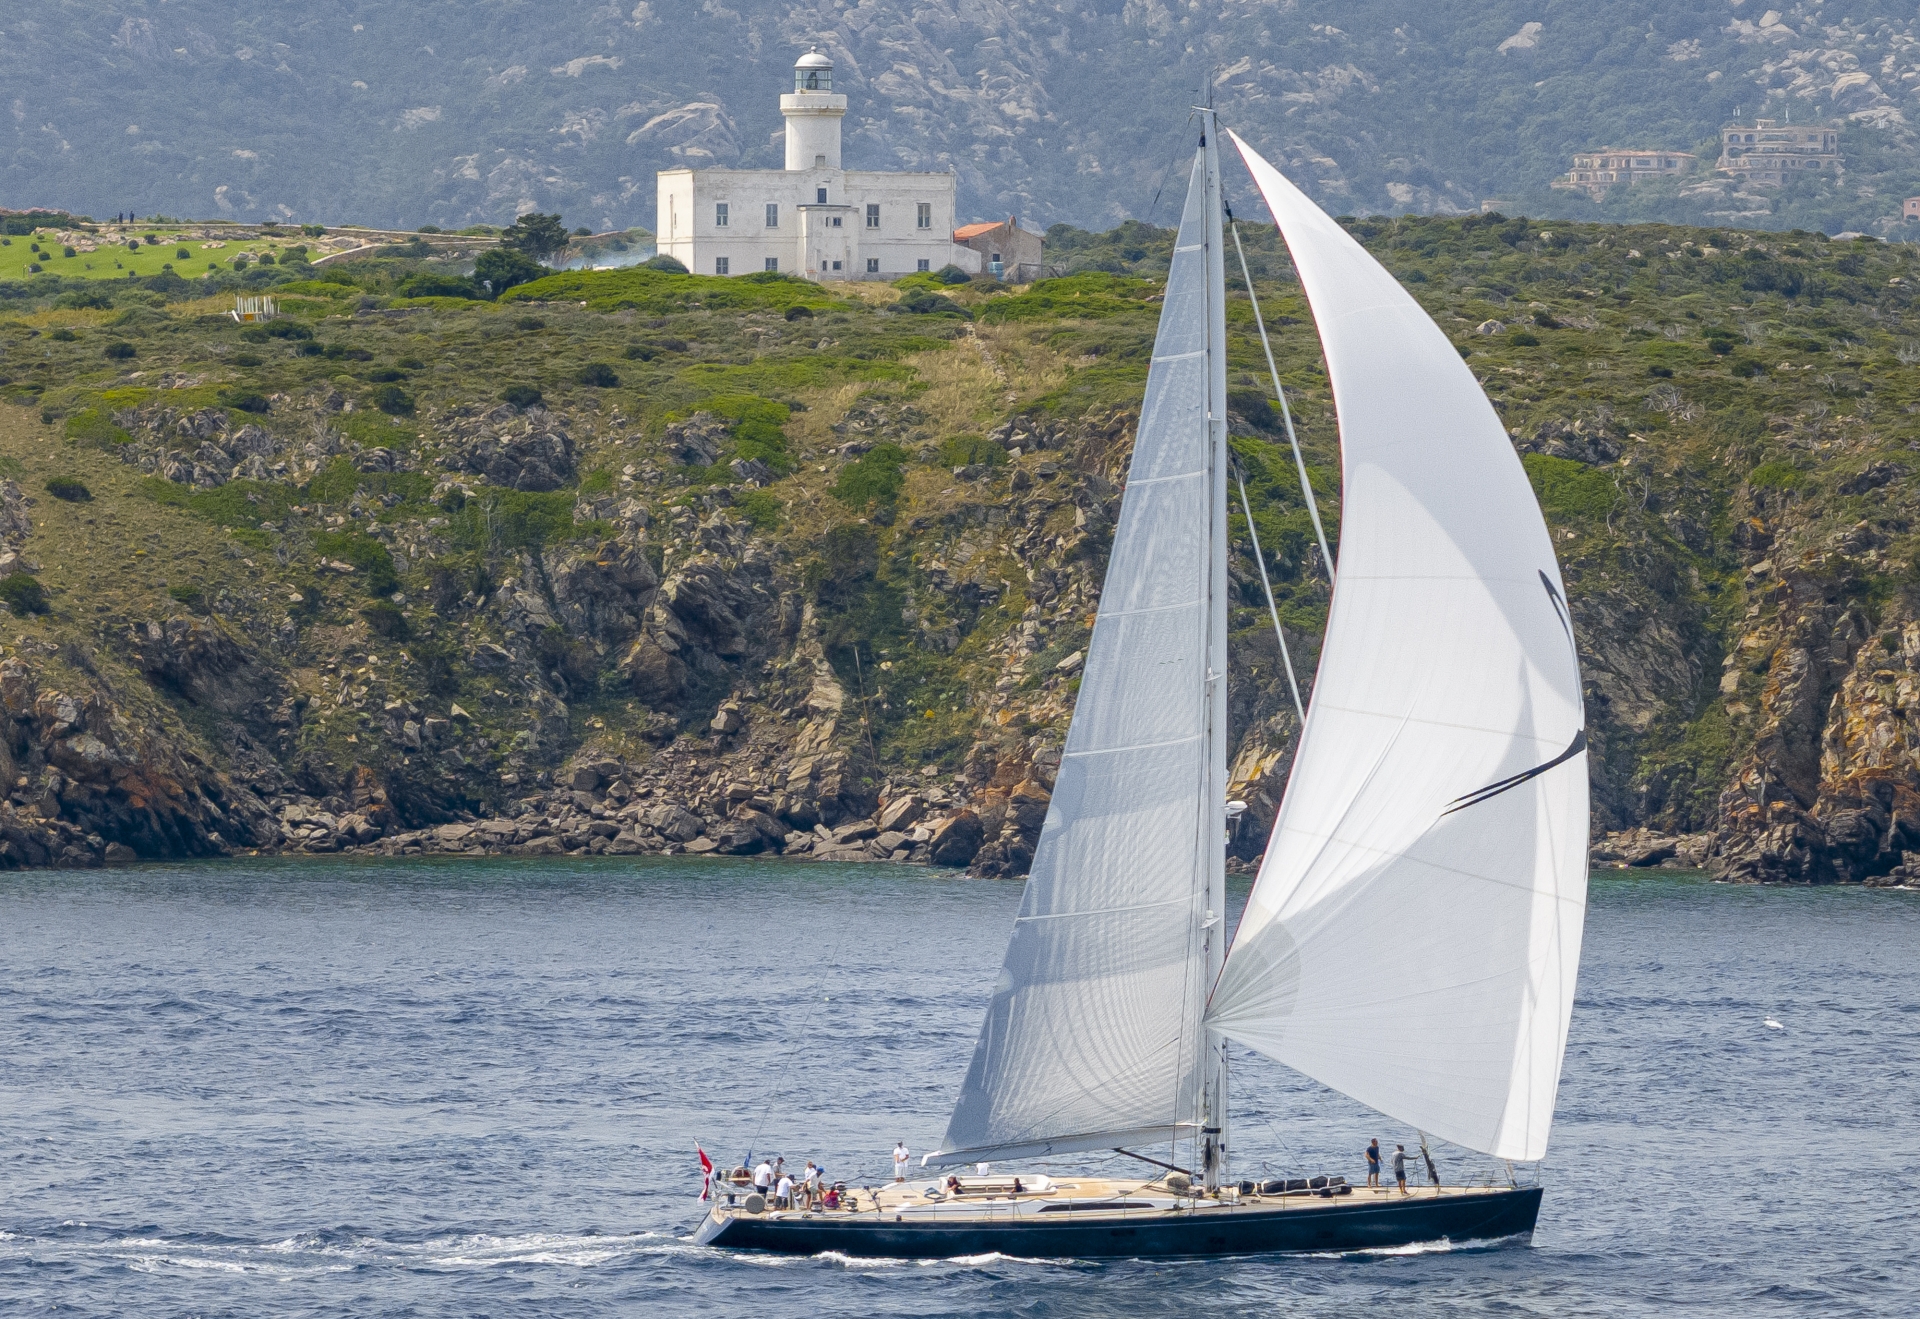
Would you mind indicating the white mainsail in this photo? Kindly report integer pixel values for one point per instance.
(1414, 934)
(1093, 1038)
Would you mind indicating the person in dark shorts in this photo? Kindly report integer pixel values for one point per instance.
(1373, 1162)
(1400, 1167)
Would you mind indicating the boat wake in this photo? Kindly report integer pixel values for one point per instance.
(1443, 1246)
(309, 1254)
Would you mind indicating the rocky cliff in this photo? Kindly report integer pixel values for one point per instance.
(635, 562)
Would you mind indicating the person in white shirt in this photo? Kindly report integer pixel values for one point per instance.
(900, 1161)
(763, 1177)
(783, 1193)
(810, 1185)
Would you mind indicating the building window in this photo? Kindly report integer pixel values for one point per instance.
(820, 196)
(836, 265)
(719, 215)
(924, 217)
(773, 264)
(873, 215)
(820, 162)
(719, 265)
(835, 222)
(873, 265)
(773, 215)
(923, 264)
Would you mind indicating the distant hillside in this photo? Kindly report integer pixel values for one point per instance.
(407, 114)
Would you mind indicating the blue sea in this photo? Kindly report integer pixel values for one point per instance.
(335, 1089)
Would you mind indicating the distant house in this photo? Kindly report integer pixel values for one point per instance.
(1594, 172)
(1910, 209)
(1006, 250)
(1768, 153)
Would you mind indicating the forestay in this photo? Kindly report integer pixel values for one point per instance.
(1413, 936)
(1092, 1039)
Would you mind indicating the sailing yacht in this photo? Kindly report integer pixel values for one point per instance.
(1413, 935)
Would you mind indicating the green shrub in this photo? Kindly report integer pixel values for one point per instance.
(117, 351)
(521, 396)
(63, 335)
(500, 269)
(762, 508)
(385, 619)
(498, 519)
(799, 313)
(23, 594)
(922, 303)
(952, 274)
(1746, 368)
(1085, 296)
(393, 400)
(95, 426)
(285, 329)
(68, 488)
(966, 450)
(597, 482)
(874, 479)
(529, 323)
(1523, 339)
(757, 424)
(364, 553)
(665, 264)
(244, 400)
(1776, 475)
(1568, 490)
(599, 375)
(187, 595)
(429, 285)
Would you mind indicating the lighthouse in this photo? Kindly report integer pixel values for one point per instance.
(813, 112)
(815, 218)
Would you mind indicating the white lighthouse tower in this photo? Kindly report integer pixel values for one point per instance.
(813, 113)
(815, 218)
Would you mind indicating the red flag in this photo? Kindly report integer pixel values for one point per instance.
(706, 1169)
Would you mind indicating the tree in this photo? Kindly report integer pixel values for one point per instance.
(501, 268)
(539, 236)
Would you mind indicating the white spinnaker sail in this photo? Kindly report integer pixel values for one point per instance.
(1414, 934)
(1092, 1039)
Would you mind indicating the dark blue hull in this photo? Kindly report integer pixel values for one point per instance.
(1332, 1225)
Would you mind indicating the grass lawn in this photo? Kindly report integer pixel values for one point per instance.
(112, 258)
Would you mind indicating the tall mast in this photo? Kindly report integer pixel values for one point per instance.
(1212, 840)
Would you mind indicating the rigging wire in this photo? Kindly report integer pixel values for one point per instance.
(1286, 413)
(1273, 612)
(779, 1086)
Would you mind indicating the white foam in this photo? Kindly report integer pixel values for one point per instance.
(308, 1253)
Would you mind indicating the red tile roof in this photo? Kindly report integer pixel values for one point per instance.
(966, 231)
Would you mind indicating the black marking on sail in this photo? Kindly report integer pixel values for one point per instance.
(1479, 795)
(1574, 747)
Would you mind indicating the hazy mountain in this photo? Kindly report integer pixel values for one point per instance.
(410, 113)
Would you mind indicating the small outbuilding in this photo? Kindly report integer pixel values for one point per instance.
(1006, 250)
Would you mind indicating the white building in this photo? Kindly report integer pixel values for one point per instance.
(812, 218)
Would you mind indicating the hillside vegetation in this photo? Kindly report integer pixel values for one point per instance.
(631, 560)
